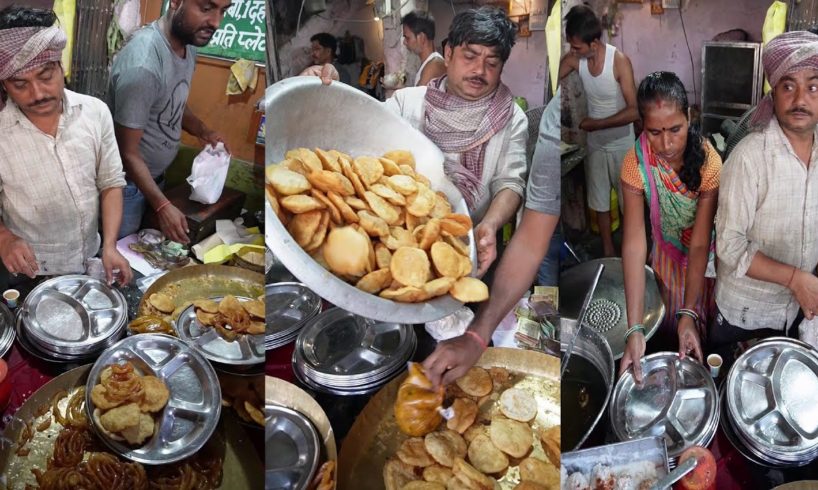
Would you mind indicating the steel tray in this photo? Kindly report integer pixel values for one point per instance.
(292, 447)
(73, 314)
(677, 399)
(651, 449)
(288, 306)
(244, 351)
(192, 412)
(772, 395)
(606, 313)
(337, 117)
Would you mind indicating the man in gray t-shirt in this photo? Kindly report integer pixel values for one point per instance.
(147, 94)
(521, 259)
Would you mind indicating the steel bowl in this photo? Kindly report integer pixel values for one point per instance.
(607, 311)
(343, 118)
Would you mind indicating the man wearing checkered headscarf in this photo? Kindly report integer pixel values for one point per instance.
(767, 219)
(59, 163)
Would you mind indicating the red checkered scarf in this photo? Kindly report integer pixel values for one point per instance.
(785, 54)
(25, 48)
(462, 126)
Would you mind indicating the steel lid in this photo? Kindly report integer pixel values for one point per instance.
(288, 306)
(245, 350)
(73, 314)
(293, 449)
(772, 397)
(606, 312)
(677, 400)
(193, 409)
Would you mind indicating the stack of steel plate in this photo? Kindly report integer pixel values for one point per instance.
(7, 333)
(677, 399)
(772, 403)
(345, 354)
(71, 319)
(293, 449)
(288, 307)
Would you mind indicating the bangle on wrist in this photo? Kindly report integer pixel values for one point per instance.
(635, 328)
(688, 312)
(792, 276)
(162, 206)
(483, 344)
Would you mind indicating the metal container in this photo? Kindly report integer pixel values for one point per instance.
(607, 311)
(289, 306)
(342, 118)
(650, 449)
(591, 346)
(677, 399)
(245, 350)
(343, 353)
(275, 271)
(292, 447)
(73, 315)
(772, 401)
(192, 412)
(7, 330)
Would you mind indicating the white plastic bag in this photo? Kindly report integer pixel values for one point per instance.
(808, 331)
(208, 174)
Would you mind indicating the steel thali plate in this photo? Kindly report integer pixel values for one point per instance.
(292, 449)
(288, 306)
(336, 117)
(73, 314)
(244, 351)
(606, 312)
(192, 412)
(772, 395)
(677, 400)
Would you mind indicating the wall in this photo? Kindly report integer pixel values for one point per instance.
(657, 42)
(341, 16)
(231, 116)
(525, 70)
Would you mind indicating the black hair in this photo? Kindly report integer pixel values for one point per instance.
(581, 22)
(418, 21)
(17, 16)
(326, 40)
(666, 86)
(486, 26)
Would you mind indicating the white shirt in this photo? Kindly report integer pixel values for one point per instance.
(49, 186)
(431, 57)
(604, 96)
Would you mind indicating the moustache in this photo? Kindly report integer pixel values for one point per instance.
(42, 102)
(799, 110)
(478, 79)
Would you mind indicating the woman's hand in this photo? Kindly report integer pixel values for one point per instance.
(689, 343)
(634, 350)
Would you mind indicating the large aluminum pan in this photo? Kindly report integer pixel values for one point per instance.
(677, 399)
(607, 311)
(192, 411)
(343, 118)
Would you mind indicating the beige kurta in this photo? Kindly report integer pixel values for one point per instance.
(49, 187)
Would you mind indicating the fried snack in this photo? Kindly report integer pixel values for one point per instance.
(399, 237)
(122, 384)
(422, 202)
(305, 156)
(99, 395)
(383, 256)
(401, 157)
(413, 452)
(445, 446)
(470, 478)
(334, 213)
(416, 406)
(254, 307)
(382, 208)
(396, 474)
(437, 474)
(137, 434)
(512, 437)
(456, 224)
(402, 184)
(324, 477)
(474, 431)
(476, 382)
(301, 203)
(429, 234)
(375, 226)
(320, 234)
(286, 182)
(161, 302)
(329, 159)
(329, 181)
(446, 260)
(389, 194)
(356, 203)
(501, 378)
(150, 324)
(485, 457)
(369, 169)
(347, 252)
(375, 281)
(442, 208)
(455, 242)
(410, 266)
(120, 418)
(407, 294)
(550, 439)
(156, 394)
(465, 411)
(518, 405)
(438, 287)
(347, 213)
(469, 290)
(536, 470)
(303, 226)
(423, 485)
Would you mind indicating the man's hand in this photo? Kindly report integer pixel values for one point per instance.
(213, 138)
(451, 359)
(588, 124)
(112, 260)
(174, 224)
(634, 350)
(486, 237)
(18, 256)
(327, 72)
(689, 342)
(805, 288)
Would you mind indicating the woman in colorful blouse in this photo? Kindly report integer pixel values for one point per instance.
(676, 172)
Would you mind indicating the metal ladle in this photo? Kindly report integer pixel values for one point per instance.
(583, 312)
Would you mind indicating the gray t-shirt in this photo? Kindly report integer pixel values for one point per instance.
(148, 90)
(543, 192)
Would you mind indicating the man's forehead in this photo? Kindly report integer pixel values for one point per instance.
(33, 72)
(480, 49)
(804, 74)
